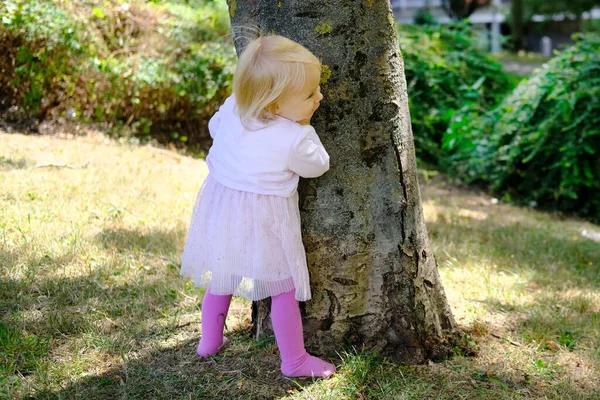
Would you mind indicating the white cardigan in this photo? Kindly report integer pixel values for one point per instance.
(268, 160)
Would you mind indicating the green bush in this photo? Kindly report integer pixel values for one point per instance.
(160, 68)
(42, 48)
(542, 143)
(444, 69)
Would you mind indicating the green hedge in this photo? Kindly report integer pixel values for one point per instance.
(542, 143)
(160, 68)
(445, 69)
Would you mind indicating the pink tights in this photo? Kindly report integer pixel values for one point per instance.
(214, 313)
(287, 325)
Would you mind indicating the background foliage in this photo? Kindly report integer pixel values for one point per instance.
(160, 68)
(574, 8)
(542, 144)
(444, 69)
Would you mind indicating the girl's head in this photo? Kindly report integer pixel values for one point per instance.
(276, 76)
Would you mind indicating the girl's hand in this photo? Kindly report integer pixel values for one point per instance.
(304, 121)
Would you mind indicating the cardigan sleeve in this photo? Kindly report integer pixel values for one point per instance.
(308, 158)
(225, 109)
(213, 124)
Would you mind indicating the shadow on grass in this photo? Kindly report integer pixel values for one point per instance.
(142, 318)
(19, 293)
(135, 240)
(9, 289)
(461, 380)
(66, 306)
(119, 316)
(246, 370)
(178, 373)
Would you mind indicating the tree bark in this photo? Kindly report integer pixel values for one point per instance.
(517, 24)
(373, 276)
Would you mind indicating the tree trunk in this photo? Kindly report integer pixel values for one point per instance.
(373, 276)
(517, 24)
(461, 9)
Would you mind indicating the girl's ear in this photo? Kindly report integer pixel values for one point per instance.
(273, 108)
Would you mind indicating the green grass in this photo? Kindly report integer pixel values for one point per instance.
(92, 306)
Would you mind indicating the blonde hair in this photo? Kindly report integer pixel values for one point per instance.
(268, 67)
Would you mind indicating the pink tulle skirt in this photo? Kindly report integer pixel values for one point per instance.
(246, 244)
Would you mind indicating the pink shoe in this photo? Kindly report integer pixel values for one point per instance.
(309, 366)
(204, 353)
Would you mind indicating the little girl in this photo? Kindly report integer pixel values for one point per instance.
(244, 237)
